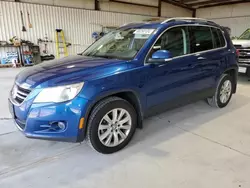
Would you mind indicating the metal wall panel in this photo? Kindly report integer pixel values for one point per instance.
(169, 10)
(145, 2)
(78, 24)
(236, 17)
(237, 24)
(126, 8)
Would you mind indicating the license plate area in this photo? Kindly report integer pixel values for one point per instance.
(242, 69)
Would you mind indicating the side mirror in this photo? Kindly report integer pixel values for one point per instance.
(160, 56)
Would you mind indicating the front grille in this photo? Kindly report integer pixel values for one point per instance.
(241, 60)
(244, 53)
(237, 46)
(19, 94)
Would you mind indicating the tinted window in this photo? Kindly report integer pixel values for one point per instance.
(221, 37)
(200, 38)
(174, 40)
(216, 38)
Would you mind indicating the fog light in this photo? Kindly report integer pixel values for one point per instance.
(57, 126)
(61, 125)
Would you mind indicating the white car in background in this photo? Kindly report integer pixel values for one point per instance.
(242, 44)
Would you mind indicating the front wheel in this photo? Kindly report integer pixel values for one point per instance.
(111, 125)
(223, 92)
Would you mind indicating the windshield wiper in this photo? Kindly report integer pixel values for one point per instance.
(105, 56)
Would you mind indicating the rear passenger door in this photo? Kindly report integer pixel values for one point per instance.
(207, 43)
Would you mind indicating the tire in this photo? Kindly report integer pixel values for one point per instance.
(216, 101)
(98, 117)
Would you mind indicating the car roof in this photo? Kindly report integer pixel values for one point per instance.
(170, 22)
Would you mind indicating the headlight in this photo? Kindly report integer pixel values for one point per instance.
(59, 94)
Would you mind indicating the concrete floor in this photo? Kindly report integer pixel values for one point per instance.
(195, 146)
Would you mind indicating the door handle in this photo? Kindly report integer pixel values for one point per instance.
(201, 58)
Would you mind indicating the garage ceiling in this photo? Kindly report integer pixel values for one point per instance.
(193, 4)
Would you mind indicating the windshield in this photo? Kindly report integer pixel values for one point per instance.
(245, 35)
(119, 44)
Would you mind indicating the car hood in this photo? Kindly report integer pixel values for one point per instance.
(69, 69)
(243, 43)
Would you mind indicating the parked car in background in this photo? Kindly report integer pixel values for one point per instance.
(242, 44)
(133, 72)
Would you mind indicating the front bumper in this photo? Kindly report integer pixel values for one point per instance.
(40, 120)
(244, 65)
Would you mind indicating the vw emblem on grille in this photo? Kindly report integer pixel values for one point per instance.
(14, 92)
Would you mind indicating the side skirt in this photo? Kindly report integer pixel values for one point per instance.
(180, 101)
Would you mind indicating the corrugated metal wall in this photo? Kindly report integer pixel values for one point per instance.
(236, 16)
(169, 10)
(237, 24)
(78, 24)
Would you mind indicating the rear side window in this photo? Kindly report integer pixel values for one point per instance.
(221, 37)
(200, 38)
(216, 38)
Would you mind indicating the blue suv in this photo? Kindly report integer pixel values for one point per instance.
(135, 71)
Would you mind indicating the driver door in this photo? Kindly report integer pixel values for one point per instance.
(175, 78)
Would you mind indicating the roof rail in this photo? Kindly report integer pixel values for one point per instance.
(186, 19)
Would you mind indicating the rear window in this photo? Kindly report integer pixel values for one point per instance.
(201, 38)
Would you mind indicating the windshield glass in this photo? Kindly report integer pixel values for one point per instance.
(245, 35)
(119, 44)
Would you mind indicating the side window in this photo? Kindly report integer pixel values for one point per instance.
(216, 38)
(221, 37)
(174, 40)
(200, 38)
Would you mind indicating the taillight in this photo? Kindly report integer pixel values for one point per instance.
(237, 52)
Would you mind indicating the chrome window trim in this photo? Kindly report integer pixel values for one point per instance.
(196, 53)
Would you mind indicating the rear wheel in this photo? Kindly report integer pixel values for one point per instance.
(111, 125)
(223, 92)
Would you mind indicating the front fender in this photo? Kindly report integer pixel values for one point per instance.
(106, 94)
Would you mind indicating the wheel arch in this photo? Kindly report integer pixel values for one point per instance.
(129, 95)
(233, 72)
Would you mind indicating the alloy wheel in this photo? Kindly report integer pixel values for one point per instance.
(114, 127)
(225, 91)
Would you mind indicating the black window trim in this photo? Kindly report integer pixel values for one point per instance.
(217, 31)
(213, 37)
(195, 53)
